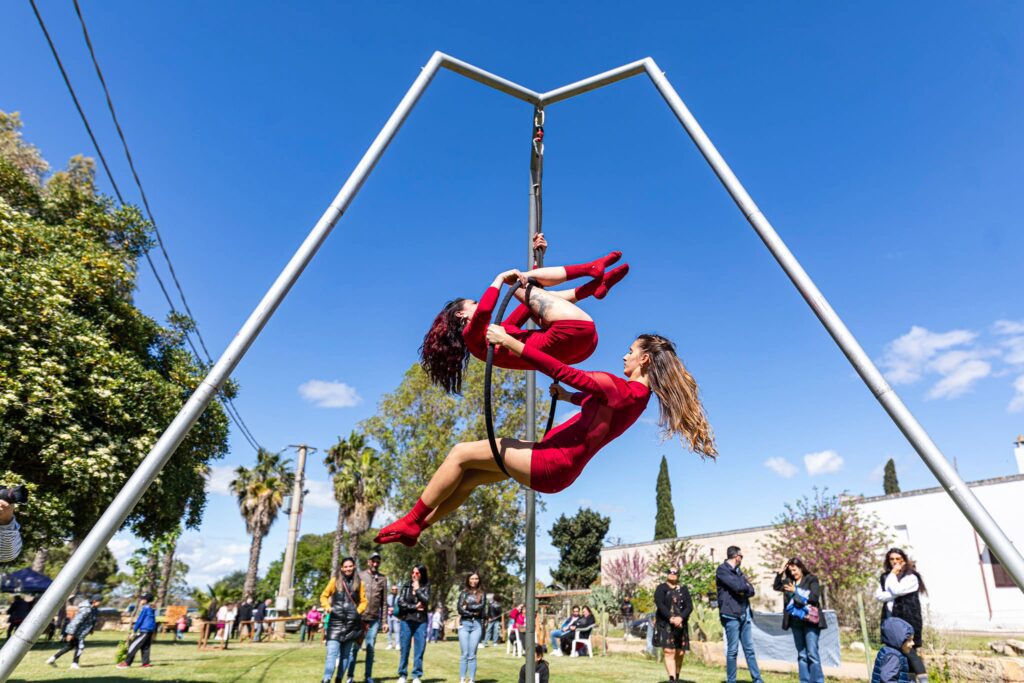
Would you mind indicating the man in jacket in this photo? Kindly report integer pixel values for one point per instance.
(392, 613)
(492, 630)
(259, 613)
(244, 619)
(562, 630)
(77, 629)
(145, 625)
(734, 593)
(374, 616)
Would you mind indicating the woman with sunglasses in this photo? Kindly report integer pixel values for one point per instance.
(413, 608)
(900, 588)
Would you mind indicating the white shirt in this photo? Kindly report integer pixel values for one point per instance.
(895, 587)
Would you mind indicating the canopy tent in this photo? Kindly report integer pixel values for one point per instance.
(25, 581)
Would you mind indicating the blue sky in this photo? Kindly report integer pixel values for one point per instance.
(882, 141)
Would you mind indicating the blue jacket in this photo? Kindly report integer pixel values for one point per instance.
(891, 665)
(734, 591)
(145, 621)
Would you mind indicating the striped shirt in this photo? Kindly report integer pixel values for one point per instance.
(10, 541)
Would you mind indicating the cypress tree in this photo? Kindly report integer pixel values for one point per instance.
(890, 483)
(665, 521)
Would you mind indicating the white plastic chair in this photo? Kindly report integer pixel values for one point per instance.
(585, 642)
(513, 645)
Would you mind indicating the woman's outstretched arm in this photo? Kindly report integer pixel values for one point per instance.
(552, 367)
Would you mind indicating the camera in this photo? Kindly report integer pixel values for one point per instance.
(14, 494)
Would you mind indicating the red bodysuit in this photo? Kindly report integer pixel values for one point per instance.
(609, 405)
(569, 341)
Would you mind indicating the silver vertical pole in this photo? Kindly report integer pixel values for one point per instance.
(535, 259)
(964, 498)
(111, 520)
(285, 590)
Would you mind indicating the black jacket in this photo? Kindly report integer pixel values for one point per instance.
(734, 591)
(471, 606)
(244, 612)
(259, 612)
(906, 607)
(808, 583)
(345, 623)
(580, 624)
(493, 610)
(407, 599)
(542, 671)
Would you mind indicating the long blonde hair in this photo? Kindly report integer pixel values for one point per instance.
(681, 412)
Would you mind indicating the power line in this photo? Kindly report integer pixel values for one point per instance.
(230, 408)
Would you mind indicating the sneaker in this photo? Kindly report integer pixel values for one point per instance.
(350, 680)
(147, 666)
(369, 680)
(74, 665)
(122, 665)
(416, 680)
(401, 679)
(52, 661)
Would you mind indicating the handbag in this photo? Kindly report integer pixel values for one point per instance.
(813, 615)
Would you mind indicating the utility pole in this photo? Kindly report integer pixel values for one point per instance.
(286, 592)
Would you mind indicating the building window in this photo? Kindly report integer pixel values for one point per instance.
(1000, 576)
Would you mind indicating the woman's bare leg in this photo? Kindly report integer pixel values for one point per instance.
(548, 307)
(469, 483)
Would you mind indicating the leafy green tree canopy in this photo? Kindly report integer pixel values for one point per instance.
(579, 540)
(87, 382)
(312, 570)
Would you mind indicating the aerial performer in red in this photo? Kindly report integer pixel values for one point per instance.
(566, 331)
(609, 405)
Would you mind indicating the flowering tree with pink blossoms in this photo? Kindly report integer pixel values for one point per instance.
(626, 572)
(839, 544)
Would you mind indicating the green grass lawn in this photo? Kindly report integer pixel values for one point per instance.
(293, 661)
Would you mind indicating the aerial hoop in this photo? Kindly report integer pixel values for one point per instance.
(488, 372)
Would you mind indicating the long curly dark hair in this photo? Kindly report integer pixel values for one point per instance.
(443, 354)
(908, 568)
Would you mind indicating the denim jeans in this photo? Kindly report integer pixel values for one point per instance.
(492, 632)
(338, 655)
(394, 629)
(740, 630)
(805, 637)
(470, 633)
(370, 641)
(555, 635)
(412, 633)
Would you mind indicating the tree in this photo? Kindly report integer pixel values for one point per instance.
(414, 428)
(312, 569)
(891, 484)
(674, 554)
(260, 492)
(101, 576)
(579, 539)
(87, 382)
(626, 572)
(361, 482)
(665, 521)
(838, 542)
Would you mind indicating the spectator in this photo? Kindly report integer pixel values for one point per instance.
(345, 599)
(10, 533)
(734, 593)
(313, 620)
(144, 626)
(573, 617)
(181, 627)
(244, 618)
(627, 615)
(413, 599)
(585, 621)
(471, 606)
(541, 671)
(891, 663)
(492, 629)
(259, 614)
(58, 622)
(77, 630)
(801, 591)
(673, 606)
(900, 588)
(223, 613)
(393, 624)
(376, 586)
(17, 612)
(231, 621)
(516, 625)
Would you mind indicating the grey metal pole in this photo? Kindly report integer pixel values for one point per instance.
(285, 590)
(535, 259)
(112, 519)
(592, 83)
(964, 498)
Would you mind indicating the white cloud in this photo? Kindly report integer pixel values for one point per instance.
(824, 462)
(1017, 403)
(781, 467)
(219, 480)
(122, 547)
(208, 564)
(907, 357)
(320, 495)
(959, 375)
(1008, 327)
(329, 394)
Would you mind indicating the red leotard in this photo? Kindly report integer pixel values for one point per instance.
(570, 341)
(609, 405)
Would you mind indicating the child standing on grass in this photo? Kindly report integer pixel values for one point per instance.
(541, 675)
(891, 664)
(77, 629)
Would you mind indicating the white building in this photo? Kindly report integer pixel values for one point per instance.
(967, 588)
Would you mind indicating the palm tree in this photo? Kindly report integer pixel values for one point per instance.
(260, 492)
(361, 482)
